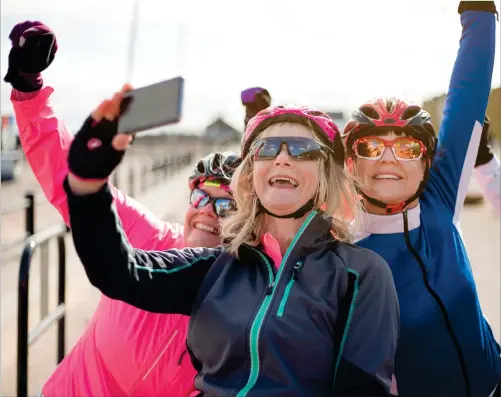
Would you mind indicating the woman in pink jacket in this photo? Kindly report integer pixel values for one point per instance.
(123, 351)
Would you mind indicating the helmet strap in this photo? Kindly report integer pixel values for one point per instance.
(399, 207)
(296, 215)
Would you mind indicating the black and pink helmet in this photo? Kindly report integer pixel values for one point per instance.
(218, 167)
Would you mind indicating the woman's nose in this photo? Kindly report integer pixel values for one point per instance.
(283, 157)
(388, 155)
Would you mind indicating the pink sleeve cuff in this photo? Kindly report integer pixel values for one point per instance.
(17, 95)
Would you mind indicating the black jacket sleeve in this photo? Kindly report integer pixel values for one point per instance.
(371, 329)
(156, 281)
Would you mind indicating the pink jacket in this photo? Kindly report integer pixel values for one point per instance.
(124, 351)
(489, 179)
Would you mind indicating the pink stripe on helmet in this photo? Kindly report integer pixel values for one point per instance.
(321, 119)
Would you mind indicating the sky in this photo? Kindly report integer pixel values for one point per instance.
(328, 54)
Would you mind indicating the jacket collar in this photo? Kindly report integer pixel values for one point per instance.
(314, 230)
(387, 224)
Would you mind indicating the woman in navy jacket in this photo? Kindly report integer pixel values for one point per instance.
(285, 307)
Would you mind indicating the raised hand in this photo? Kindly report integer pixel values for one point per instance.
(98, 148)
(34, 47)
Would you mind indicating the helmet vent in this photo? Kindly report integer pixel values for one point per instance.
(410, 112)
(369, 112)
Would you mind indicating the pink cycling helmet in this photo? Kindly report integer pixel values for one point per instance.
(325, 129)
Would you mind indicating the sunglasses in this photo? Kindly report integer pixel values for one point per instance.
(298, 147)
(403, 148)
(221, 206)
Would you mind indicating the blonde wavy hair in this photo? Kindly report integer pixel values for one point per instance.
(336, 195)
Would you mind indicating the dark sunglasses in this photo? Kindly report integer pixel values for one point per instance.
(300, 148)
(221, 206)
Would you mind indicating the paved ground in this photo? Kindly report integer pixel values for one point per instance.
(480, 227)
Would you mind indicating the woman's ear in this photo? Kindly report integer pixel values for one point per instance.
(350, 164)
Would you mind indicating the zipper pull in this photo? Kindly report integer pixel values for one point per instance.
(269, 290)
(297, 268)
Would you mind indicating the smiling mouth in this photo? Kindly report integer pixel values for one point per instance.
(206, 228)
(389, 177)
(282, 181)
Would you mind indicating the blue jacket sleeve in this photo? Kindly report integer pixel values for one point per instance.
(372, 326)
(156, 281)
(464, 111)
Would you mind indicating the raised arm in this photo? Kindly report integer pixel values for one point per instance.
(156, 281)
(465, 105)
(46, 139)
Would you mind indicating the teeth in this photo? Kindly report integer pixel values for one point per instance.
(207, 228)
(289, 180)
(386, 176)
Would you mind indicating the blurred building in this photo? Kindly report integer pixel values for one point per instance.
(220, 130)
(435, 107)
(339, 118)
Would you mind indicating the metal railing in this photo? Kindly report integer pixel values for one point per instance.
(159, 170)
(28, 205)
(25, 338)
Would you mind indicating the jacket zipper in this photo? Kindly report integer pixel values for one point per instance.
(285, 297)
(258, 321)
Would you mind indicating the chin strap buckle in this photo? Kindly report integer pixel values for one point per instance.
(394, 208)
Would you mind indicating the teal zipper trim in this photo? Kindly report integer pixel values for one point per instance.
(259, 319)
(348, 321)
(287, 291)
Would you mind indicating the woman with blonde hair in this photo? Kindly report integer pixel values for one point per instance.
(285, 307)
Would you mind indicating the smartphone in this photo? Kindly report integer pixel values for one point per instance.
(152, 106)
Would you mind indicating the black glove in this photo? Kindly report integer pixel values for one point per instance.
(484, 154)
(91, 155)
(487, 6)
(34, 47)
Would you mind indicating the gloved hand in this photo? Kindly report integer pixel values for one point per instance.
(254, 99)
(487, 6)
(34, 47)
(484, 154)
(97, 148)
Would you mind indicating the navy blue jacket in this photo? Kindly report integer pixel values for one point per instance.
(325, 324)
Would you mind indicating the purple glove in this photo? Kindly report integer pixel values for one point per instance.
(254, 99)
(34, 47)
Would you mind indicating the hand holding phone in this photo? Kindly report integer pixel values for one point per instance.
(152, 106)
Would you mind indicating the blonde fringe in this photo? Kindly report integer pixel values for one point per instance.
(336, 189)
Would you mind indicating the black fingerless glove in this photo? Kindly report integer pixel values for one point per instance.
(484, 154)
(91, 155)
(487, 6)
